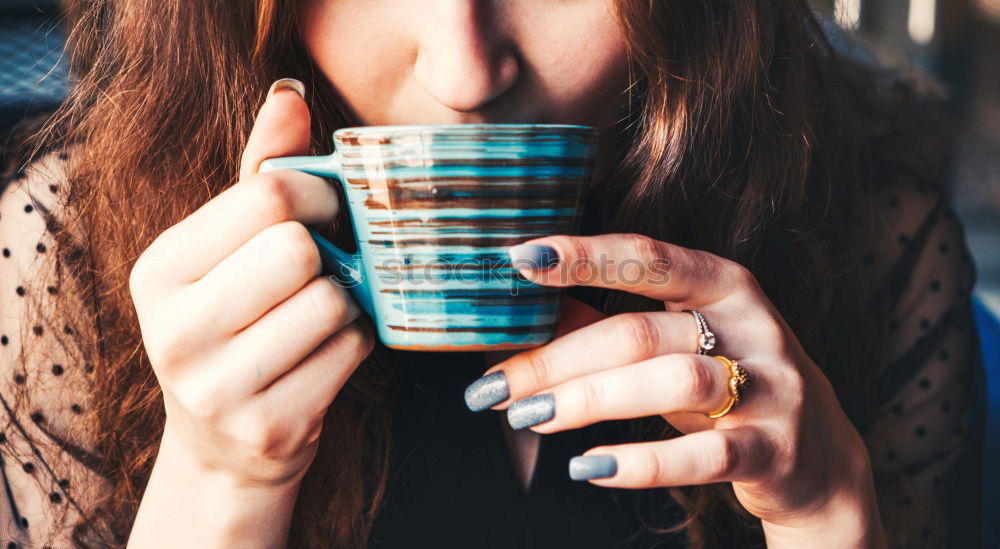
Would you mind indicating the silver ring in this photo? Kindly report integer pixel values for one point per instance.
(706, 339)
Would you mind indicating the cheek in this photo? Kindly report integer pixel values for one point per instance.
(581, 70)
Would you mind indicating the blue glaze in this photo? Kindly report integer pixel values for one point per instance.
(435, 210)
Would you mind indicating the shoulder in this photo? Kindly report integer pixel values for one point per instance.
(41, 318)
(916, 275)
(44, 379)
(903, 225)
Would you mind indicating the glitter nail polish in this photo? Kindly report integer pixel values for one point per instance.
(487, 391)
(531, 411)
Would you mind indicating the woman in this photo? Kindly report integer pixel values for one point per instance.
(147, 259)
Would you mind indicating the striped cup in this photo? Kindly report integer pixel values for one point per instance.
(435, 210)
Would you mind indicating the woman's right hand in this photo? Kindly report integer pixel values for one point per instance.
(249, 342)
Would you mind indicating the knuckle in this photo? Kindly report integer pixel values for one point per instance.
(792, 385)
(272, 198)
(642, 246)
(206, 404)
(300, 246)
(165, 355)
(697, 381)
(264, 442)
(654, 468)
(168, 349)
(351, 343)
(640, 333)
(741, 276)
(137, 279)
(724, 461)
(770, 330)
(266, 438)
(594, 397)
(140, 276)
(540, 369)
(359, 337)
(328, 302)
(580, 266)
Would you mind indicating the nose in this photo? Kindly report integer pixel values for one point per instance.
(463, 60)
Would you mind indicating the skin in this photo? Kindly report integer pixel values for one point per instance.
(462, 62)
(247, 376)
(231, 437)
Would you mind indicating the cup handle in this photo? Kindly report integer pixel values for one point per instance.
(344, 267)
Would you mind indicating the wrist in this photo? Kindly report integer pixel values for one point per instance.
(188, 504)
(846, 521)
(848, 517)
(182, 461)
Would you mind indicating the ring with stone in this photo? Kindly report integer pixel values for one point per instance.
(706, 339)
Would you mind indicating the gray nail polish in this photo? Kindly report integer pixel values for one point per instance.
(487, 391)
(532, 256)
(588, 467)
(531, 411)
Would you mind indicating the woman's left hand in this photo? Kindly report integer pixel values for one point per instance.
(793, 457)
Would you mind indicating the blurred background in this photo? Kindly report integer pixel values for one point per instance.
(956, 42)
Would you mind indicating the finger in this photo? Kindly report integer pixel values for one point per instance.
(661, 385)
(720, 455)
(291, 331)
(229, 219)
(185, 252)
(630, 262)
(576, 314)
(265, 271)
(281, 127)
(310, 387)
(633, 336)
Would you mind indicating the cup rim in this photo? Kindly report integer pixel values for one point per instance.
(460, 128)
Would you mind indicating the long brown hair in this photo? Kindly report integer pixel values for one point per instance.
(740, 140)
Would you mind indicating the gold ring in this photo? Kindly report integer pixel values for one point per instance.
(737, 380)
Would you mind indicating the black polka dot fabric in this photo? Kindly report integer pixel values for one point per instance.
(929, 410)
(43, 394)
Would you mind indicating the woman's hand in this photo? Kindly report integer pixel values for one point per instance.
(792, 455)
(248, 341)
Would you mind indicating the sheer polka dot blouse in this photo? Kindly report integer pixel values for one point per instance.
(929, 405)
(44, 464)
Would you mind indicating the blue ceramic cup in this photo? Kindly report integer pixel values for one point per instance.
(435, 210)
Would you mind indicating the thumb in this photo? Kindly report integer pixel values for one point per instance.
(281, 128)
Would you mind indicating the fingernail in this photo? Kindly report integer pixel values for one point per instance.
(588, 467)
(487, 391)
(287, 84)
(533, 256)
(531, 411)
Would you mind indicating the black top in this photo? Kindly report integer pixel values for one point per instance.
(453, 483)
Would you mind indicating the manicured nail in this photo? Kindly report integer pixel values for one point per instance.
(588, 467)
(487, 391)
(533, 256)
(287, 84)
(531, 411)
